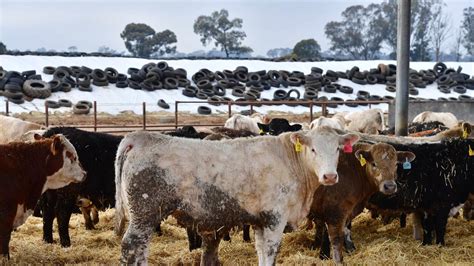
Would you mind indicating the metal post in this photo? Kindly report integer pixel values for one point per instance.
(403, 65)
(251, 108)
(229, 103)
(7, 107)
(95, 116)
(176, 115)
(47, 115)
(311, 111)
(324, 111)
(144, 115)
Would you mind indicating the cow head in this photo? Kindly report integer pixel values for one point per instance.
(320, 148)
(62, 164)
(381, 164)
(278, 126)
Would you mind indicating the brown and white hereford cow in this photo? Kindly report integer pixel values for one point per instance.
(28, 170)
(12, 129)
(338, 204)
(157, 175)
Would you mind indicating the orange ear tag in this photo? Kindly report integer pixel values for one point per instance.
(298, 146)
(362, 160)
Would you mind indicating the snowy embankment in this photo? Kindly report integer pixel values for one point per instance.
(113, 100)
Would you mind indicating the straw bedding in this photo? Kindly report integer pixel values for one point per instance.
(377, 244)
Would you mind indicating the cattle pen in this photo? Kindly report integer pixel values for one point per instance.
(169, 123)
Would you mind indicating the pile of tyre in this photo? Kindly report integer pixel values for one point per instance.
(16, 86)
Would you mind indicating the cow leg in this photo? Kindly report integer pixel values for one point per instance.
(259, 241)
(48, 202)
(5, 235)
(428, 226)
(271, 242)
(210, 248)
(63, 217)
(160, 233)
(194, 239)
(318, 234)
(325, 251)
(441, 219)
(417, 226)
(336, 235)
(87, 218)
(403, 220)
(246, 230)
(136, 241)
(95, 214)
(227, 237)
(348, 244)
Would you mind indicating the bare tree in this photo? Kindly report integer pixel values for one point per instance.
(458, 45)
(439, 30)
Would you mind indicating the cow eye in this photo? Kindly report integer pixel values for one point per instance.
(374, 165)
(313, 150)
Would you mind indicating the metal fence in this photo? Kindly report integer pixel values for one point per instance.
(144, 125)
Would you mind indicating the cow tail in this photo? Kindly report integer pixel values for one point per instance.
(119, 206)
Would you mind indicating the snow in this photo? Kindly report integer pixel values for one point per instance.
(113, 100)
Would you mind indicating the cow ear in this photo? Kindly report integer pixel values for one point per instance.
(266, 119)
(367, 155)
(302, 138)
(349, 138)
(403, 156)
(38, 136)
(263, 127)
(295, 127)
(466, 127)
(56, 145)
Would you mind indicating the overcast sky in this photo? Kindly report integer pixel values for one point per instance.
(88, 24)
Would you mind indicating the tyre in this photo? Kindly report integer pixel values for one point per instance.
(16, 101)
(459, 89)
(351, 103)
(237, 92)
(36, 89)
(13, 94)
(60, 73)
(86, 103)
(439, 68)
(364, 94)
(359, 81)
(99, 75)
(279, 95)
(218, 90)
(309, 95)
(189, 92)
(465, 98)
(100, 83)
(346, 89)
(13, 87)
(170, 83)
(330, 88)
(204, 84)
(371, 79)
(55, 85)
(201, 95)
(70, 80)
(204, 110)
(183, 82)
(294, 82)
(413, 91)
(163, 104)
(80, 109)
(250, 96)
(121, 84)
(111, 74)
(49, 70)
(214, 100)
(84, 88)
(64, 103)
(65, 87)
(83, 80)
(288, 94)
(52, 104)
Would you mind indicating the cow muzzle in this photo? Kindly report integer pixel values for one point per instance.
(329, 179)
(388, 187)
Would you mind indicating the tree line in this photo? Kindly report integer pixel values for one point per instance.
(364, 32)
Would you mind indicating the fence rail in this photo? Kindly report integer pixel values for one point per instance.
(109, 128)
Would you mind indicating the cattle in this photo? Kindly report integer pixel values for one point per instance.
(448, 119)
(337, 121)
(187, 132)
(28, 170)
(440, 179)
(97, 155)
(367, 121)
(242, 122)
(370, 168)
(468, 208)
(11, 129)
(278, 126)
(157, 175)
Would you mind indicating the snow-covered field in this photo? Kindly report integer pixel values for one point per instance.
(113, 100)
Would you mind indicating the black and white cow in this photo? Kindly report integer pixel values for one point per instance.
(439, 180)
(157, 175)
(97, 155)
(278, 126)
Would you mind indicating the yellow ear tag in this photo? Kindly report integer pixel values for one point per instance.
(260, 132)
(298, 146)
(471, 152)
(362, 160)
(464, 134)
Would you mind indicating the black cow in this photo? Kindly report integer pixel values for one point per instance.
(187, 132)
(440, 179)
(415, 127)
(96, 153)
(278, 126)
